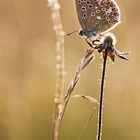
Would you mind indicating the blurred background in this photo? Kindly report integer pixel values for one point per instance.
(28, 74)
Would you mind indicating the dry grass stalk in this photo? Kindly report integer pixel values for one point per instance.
(84, 62)
(55, 7)
(88, 98)
(86, 123)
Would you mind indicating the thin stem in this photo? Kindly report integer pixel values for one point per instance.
(100, 113)
(86, 123)
(60, 69)
(84, 63)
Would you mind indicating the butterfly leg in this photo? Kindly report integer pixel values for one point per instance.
(91, 45)
(96, 42)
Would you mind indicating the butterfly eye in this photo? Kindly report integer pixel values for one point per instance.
(81, 33)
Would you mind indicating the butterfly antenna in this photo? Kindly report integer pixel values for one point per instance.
(73, 32)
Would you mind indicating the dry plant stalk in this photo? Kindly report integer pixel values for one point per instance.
(88, 57)
(84, 62)
(55, 7)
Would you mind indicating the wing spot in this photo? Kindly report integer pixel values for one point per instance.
(103, 9)
(109, 2)
(114, 8)
(97, 11)
(84, 16)
(97, 22)
(90, 6)
(93, 14)
(107, 14)
(79, 1)
(112, 4)
(88, 2)
(114, 21)
(107, 18)
(90, 20)
(83, 8)
(116, 14)
(109, 21)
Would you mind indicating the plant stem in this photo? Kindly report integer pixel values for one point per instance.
(100, 113)
(86, 123)
(60, 67)
(88, 57)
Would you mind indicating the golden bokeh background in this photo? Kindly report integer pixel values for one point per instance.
(28, 74)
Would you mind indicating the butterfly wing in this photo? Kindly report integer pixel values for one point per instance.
(104, 16)
(83, 12)
(100, 15)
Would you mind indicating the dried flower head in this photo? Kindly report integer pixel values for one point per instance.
(108, 41)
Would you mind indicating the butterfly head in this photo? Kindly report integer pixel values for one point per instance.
(81, 33)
